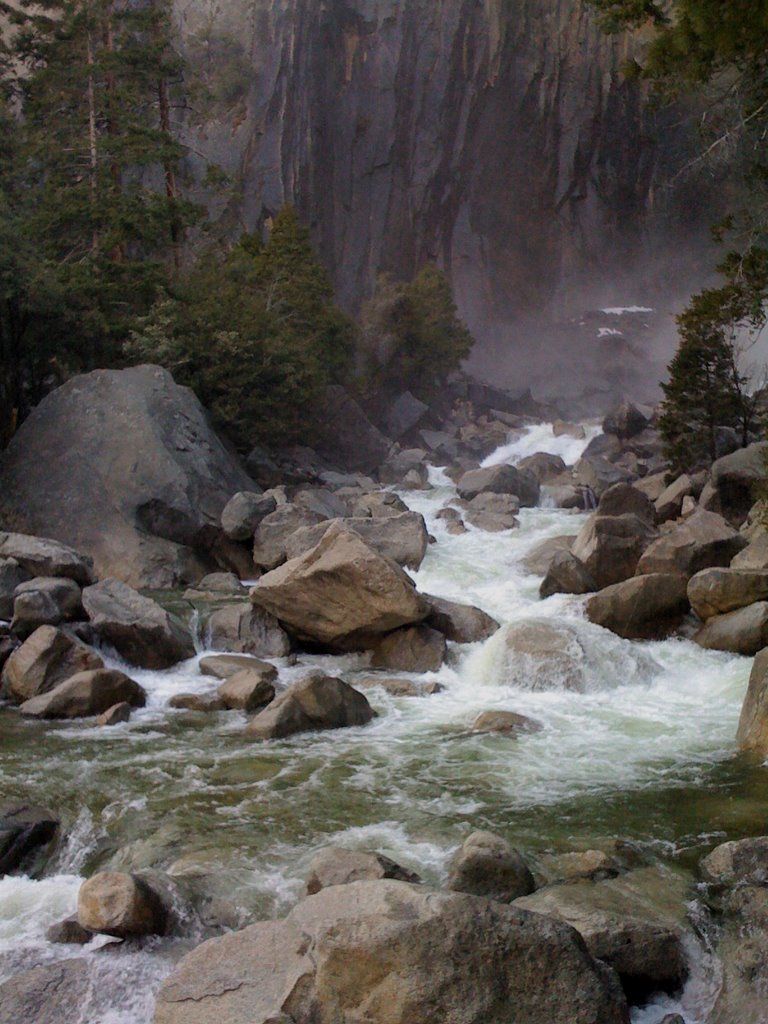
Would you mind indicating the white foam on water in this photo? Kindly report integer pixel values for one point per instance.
(541, 438)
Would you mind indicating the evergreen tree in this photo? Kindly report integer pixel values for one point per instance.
(255, 333)
(706, 387)
(89, 190)
(413, 337)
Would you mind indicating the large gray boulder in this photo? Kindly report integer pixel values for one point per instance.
(641, 608)
(12, 574)
(243, 628)
(136, 626)
(248, 690)
(386, 952)
(86, 694)
(120, 904)
(731, 490)
(500, 480)
(742, 862)
(26, 832)
(315, 703)
(625, 420)
(744, 631)
(40, 556)
(243, 513)
(486, 865)
(462, 623)
(410, 649)
(755, 555)
(47, 994)
(45, 601)
(273, 533)
(566, 575)
(635, 923)
(701, 541)
(345, 437)
(403, 538)
(334, 865)
(143, 489)
(340, 593)
(752, 734)
(45, 659)
(716, 591)
(610, 547)
(545, 467)
(624, 499)
(599, 474)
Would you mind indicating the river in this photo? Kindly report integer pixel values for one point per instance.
(646, 753)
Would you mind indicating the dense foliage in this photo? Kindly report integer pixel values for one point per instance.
(254, 332)
(718, 52)
(413, 337)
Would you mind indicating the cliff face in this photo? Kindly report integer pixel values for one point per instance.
(494, 136)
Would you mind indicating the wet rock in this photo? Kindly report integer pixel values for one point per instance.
(248, 690)
(222, 666)
(610, 547)
(44, 660)
(115, 715)
(500, 480)
(545, 467)
(378, 505)
(642, 608)
(702, 541)
(462, 623)
(120, 904)
(752, 734)
(406, 469)
(8, 644)
(196, 702)
(505, 722)
(742, 953)
(137, 627)
(336, 866)
(716, 591)
(587, 865)
(341, 592)
(741, 862)
(11, 576)
(86, 694)
(733, 482)
(45, 601)
(446, 956)
(403, 538)
(486, 865)
(244, 629)
(634, 923)
(40, 556)
(456, 528)
(744, 631)
(68, 933)
(492, 522)
(623, 499)
(566, 575)
(605, 446)
(315, 703)
(26, 832)
(274, 531)
(49, 994)
(539, 558)
(543, 655)
(561, 428)
(243, 513)
(411, 649)
(497, 504)
(397, 687)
